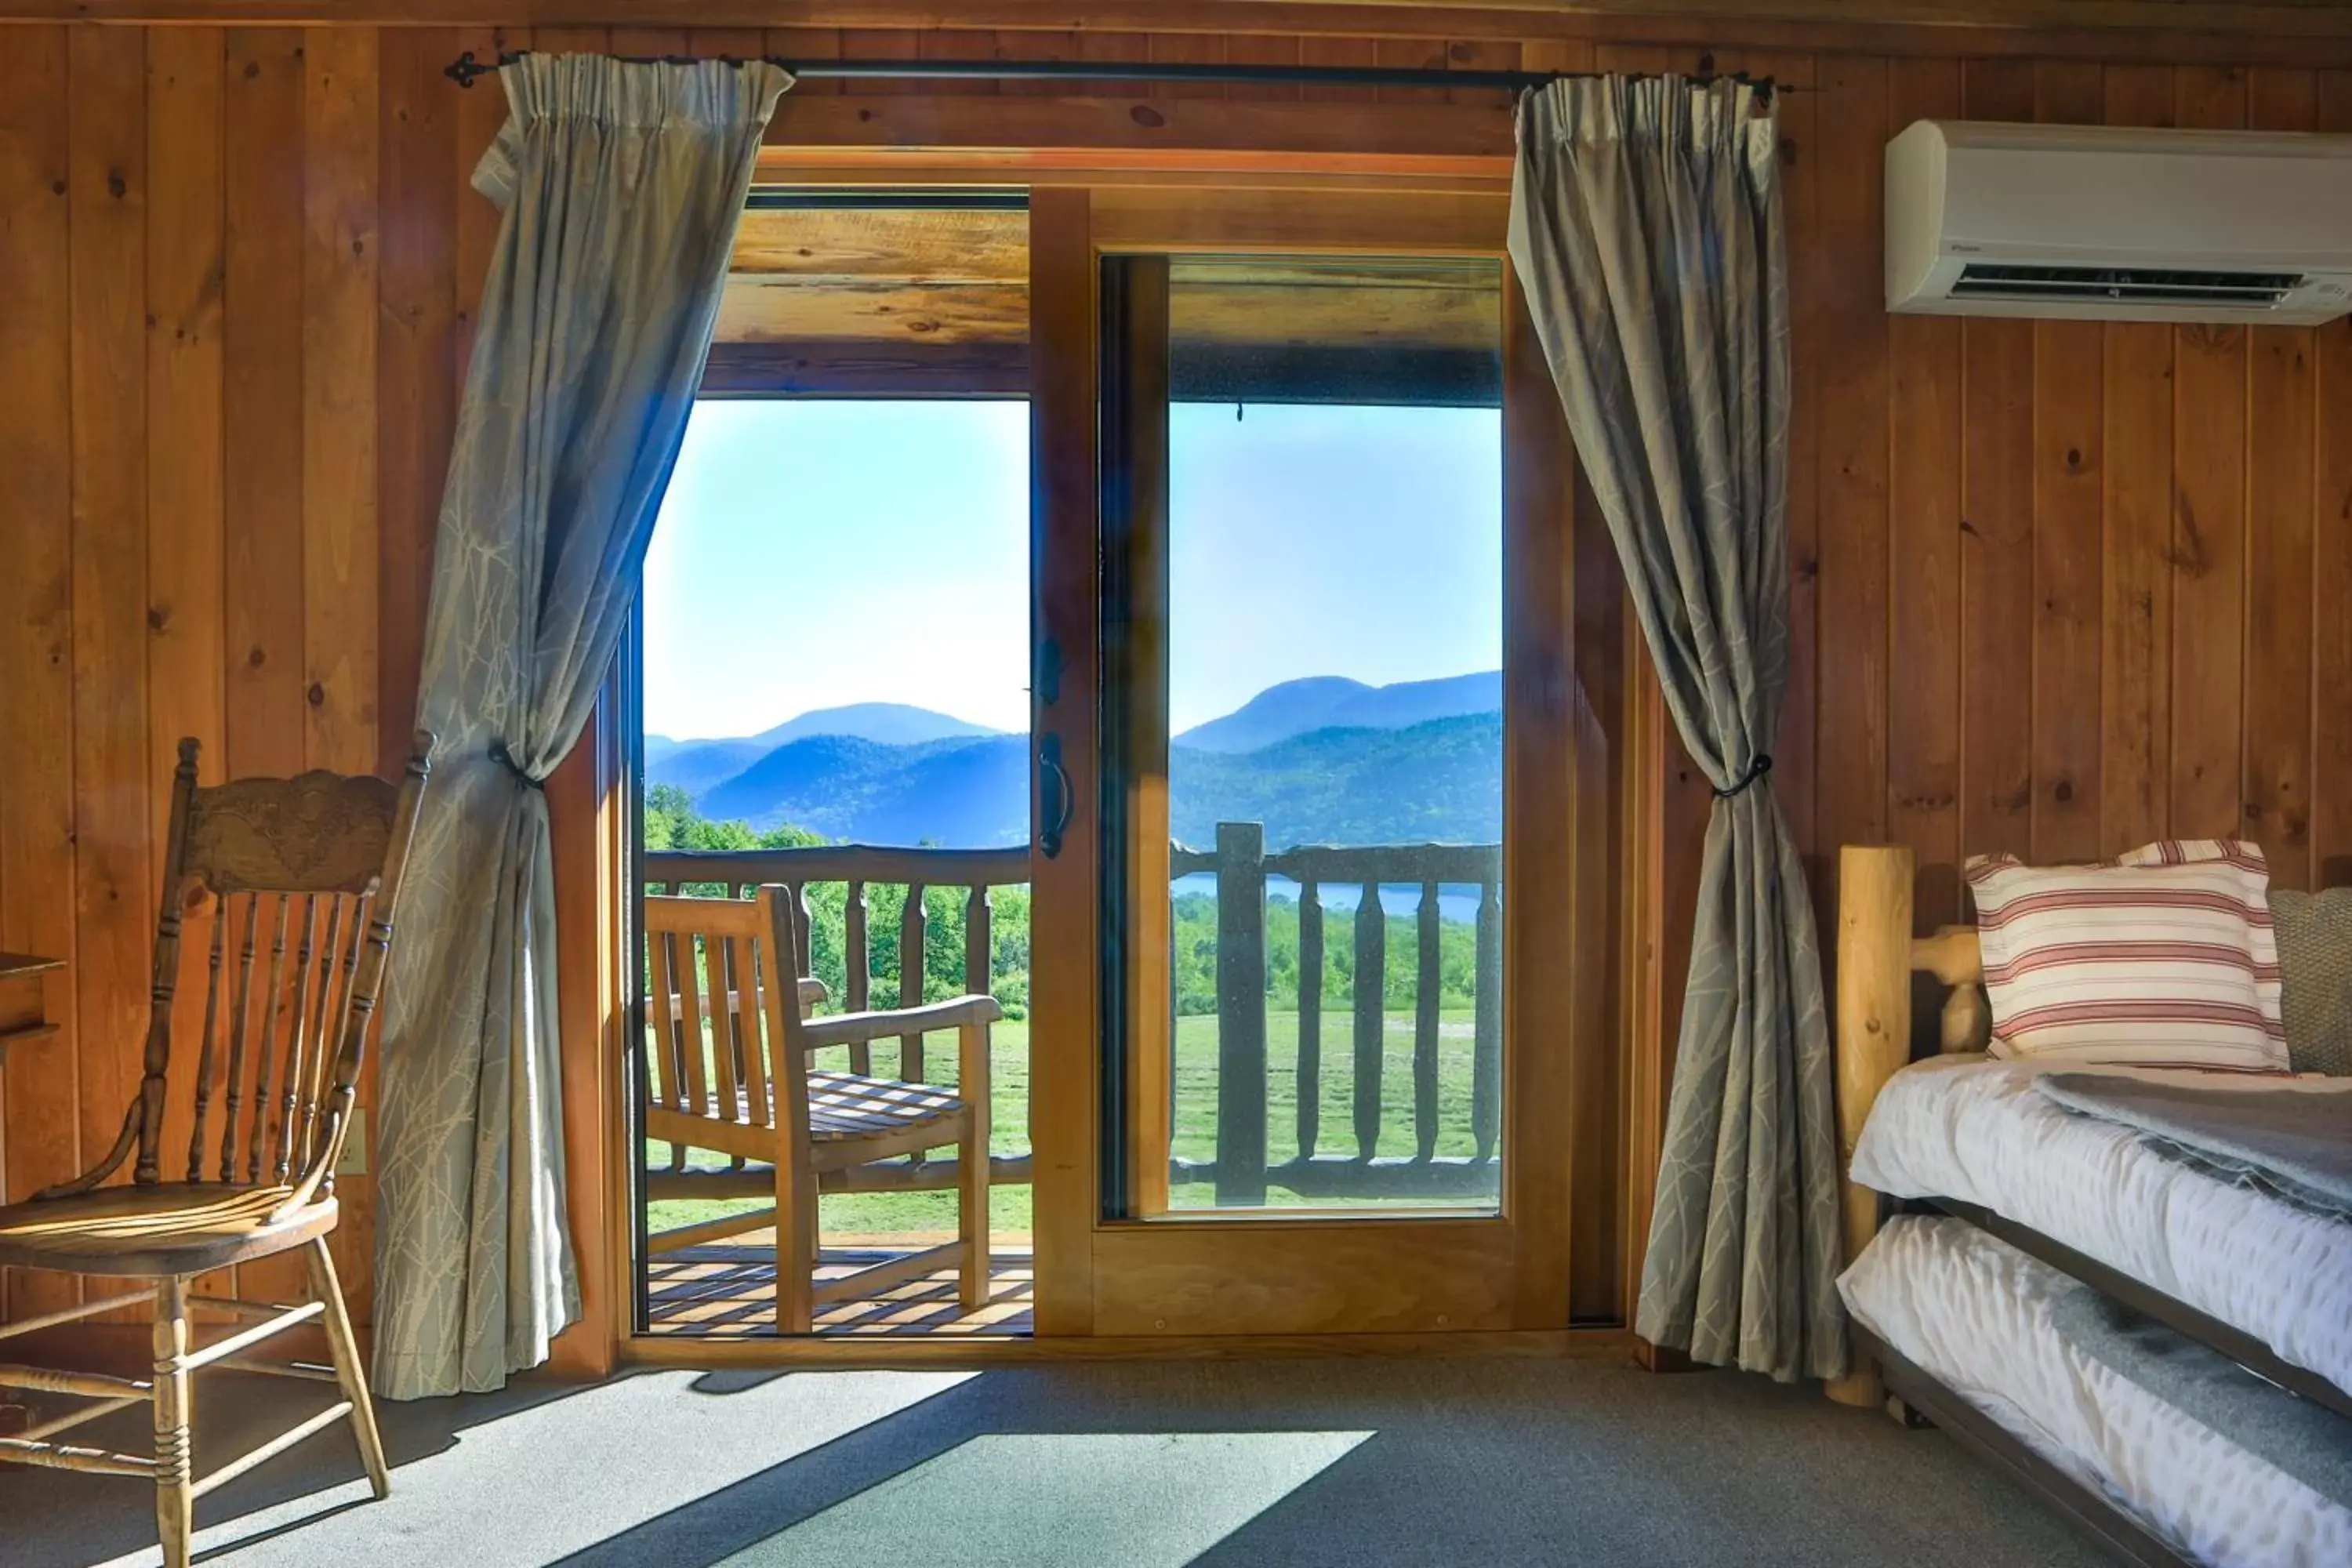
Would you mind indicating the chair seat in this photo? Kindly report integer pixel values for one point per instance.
(841, 1106)
(152, 1231)
(846, 1105)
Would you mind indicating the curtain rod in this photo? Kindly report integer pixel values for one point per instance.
(465, 69)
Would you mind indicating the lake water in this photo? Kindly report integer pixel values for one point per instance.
(1454, 902)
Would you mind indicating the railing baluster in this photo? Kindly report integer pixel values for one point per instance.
(1424, 1029)
(803, 934)
(979, 949)
(1317, 1173)
(1310, 1016)
(911, 939)
(1487, 1028)
(1241, 1014)
(857, 969)
(1371, 981)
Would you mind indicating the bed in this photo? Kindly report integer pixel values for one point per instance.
(1994, 1203)
(1969, 1134)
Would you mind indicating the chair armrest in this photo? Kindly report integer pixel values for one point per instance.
(854, 1028)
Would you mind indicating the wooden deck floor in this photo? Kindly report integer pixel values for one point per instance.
(728, 1290)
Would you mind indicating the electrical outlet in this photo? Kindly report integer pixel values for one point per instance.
(353, 1160)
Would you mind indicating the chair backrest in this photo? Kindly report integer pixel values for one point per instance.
(723, 1011)
(309, 866)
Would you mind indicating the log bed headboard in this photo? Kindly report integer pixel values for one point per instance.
(1876, 958)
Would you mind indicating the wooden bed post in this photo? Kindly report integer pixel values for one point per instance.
(1874, 1033)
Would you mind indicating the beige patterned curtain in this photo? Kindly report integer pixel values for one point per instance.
(1646, 229)
(621, 186)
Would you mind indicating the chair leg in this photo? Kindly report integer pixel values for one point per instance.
(326, 1288)
(796, 1249)
(175, 1502)
(972, 1163)
(971, 1171)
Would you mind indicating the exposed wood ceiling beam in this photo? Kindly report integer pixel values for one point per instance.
(837, 368)
(908, 246)
(1241, 314)
(923, 120)
(830, 301)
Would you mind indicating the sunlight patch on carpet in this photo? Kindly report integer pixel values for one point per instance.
(1138, 1500)
(593, 1463)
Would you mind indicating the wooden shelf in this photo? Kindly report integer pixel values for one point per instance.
(23, 1018)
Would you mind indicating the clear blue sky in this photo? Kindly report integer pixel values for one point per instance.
(815, 554)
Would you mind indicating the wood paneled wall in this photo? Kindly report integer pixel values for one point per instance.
(2064, 587)
(226, 375)
(2059, 587)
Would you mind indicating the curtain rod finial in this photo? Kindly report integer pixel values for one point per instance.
(466, 69)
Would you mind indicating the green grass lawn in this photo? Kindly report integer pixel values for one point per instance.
(1195, 1135)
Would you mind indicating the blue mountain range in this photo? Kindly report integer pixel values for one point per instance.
(1323, 760)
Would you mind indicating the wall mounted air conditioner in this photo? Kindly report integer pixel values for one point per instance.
(2096, 222)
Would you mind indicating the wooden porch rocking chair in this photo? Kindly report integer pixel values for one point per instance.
(750, 1091)
(315, 861)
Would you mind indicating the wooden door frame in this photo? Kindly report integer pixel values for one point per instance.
(1105, 1288)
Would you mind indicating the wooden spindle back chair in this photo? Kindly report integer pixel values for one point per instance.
(728, 1070)
(300, 879)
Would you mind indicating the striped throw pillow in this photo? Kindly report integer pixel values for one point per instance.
(2165, 957)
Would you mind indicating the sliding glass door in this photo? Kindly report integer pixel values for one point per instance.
(1294, 865)
(833, 675)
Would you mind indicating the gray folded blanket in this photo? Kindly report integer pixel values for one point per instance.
(2296, 1144)
(2305, 1440)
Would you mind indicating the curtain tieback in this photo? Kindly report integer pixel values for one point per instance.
(504, 759)
(1756, 770)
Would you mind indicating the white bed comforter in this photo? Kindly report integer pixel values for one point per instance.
(1974, 1313)
(1972, 1128)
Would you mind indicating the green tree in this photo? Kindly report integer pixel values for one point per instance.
(673, 822)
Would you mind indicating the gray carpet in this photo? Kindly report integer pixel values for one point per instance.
(1500, 1461)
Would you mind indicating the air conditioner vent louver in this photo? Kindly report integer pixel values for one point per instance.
(2151, 286)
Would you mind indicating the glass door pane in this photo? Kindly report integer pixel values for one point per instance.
(834, 682)
(1317, 443)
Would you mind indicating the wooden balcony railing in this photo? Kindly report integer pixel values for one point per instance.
(1240, 1173)
(1240, 1170)
(730, 873)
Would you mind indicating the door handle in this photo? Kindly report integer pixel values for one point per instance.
(1055, 796)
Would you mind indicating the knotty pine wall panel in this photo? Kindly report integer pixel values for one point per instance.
(2056, 587)
(225, 413)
